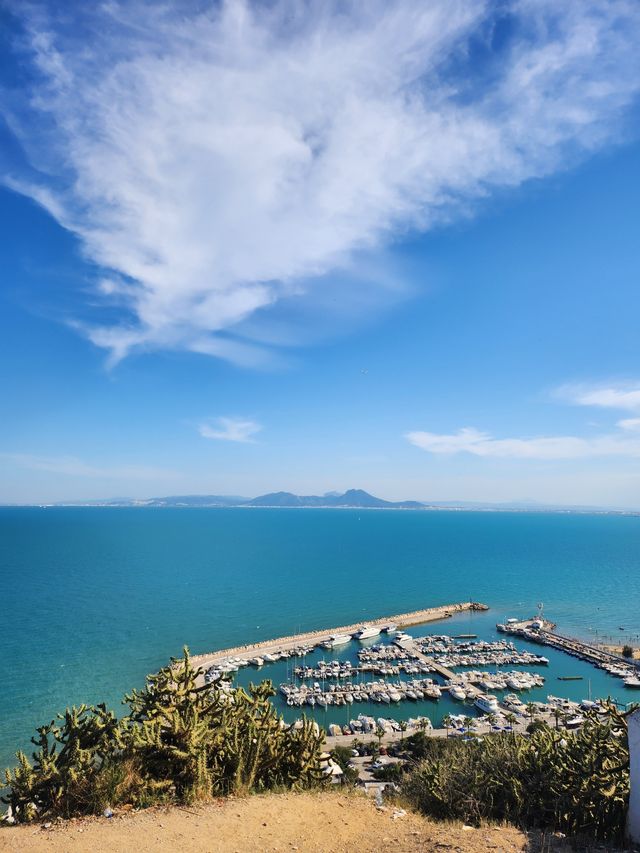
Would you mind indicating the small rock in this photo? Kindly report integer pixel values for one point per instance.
(467, 828)
(46, 825)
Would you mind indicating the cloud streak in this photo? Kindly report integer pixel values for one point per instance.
(230, 429)
(623, 396)
(218, 163)
(71, 466)
(476, 443)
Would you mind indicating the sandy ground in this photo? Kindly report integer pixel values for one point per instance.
(310, 823)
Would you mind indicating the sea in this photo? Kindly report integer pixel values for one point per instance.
(95, 598)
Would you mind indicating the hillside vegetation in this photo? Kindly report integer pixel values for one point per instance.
(183, 742)
(180, 742)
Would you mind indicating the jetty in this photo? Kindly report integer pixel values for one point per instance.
(539, 630)
(315, 638)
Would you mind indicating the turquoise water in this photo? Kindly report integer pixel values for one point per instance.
(94, 598)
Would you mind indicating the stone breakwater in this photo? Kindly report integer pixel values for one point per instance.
(401, 620)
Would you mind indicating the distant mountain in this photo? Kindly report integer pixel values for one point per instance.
(356, 498)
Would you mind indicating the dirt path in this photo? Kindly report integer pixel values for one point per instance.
(309, 823)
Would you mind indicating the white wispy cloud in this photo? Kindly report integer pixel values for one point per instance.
(71, 466)
(622, 396)
(470, 440)
(230, 429)
(623, 442)
(629, 423)
(217, 163)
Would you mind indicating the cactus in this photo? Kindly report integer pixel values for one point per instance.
(577, 782)
(182, 740)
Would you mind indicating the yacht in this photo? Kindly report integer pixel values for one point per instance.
(365, 632)
(390, 628)
(632, 681)
(336, 640)
(487, 703)
(257, 661)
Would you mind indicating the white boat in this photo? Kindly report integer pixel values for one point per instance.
(257, 661)
(487, 703)
(456, 692)
(336, 640)
(365, 632)
(271, 658)
(390, 628)
(632, 681)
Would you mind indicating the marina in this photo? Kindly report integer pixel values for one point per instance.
(542, 632)
(301, 644)
(461, 683)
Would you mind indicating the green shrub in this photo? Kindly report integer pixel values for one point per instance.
(182, 740)
(342, 756)
(575, 782)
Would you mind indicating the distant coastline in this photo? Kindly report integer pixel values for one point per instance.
(352, 499)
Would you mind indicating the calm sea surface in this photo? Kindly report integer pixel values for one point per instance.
(95, 598)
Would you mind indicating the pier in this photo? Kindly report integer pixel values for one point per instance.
(410, 645)
(314, 638)
(543, 632)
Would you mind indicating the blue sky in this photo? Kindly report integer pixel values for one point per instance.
(247, 249)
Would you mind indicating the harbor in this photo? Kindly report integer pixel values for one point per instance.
(539, 631)
(310, 640)
(476, 677)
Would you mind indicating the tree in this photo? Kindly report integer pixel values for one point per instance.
(380, 734)
(511, 719)
(342, 756)
(403, 728)
(448, 723)
(627, 651)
